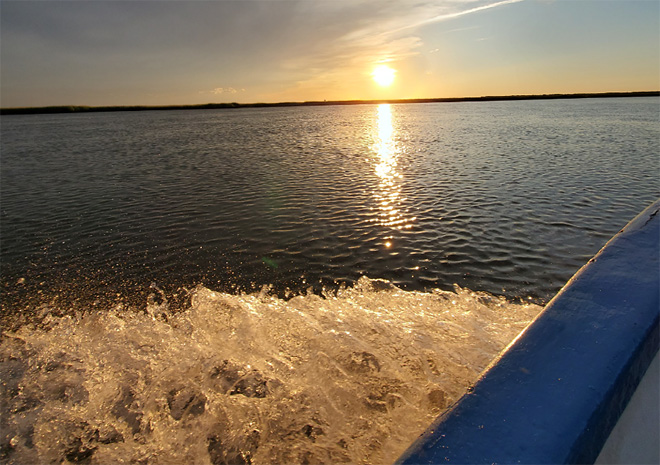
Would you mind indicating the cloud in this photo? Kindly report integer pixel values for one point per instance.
(182, 47)
(226, 90)
(376, 30)
(467, 8)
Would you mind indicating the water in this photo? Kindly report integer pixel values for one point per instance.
(192, 286)
(506, 197)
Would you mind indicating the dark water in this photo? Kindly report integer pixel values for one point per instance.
(506, 197)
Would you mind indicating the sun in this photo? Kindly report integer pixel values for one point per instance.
(383, 75)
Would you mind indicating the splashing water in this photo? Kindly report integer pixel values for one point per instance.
(351, 377)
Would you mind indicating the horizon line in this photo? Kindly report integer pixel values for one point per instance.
(203, 106)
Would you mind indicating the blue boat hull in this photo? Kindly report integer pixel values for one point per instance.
(555, 394)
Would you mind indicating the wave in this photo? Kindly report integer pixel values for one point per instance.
(349, 377)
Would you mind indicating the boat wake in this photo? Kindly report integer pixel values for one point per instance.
(350, 377)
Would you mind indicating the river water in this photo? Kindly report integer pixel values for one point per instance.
(289, 285)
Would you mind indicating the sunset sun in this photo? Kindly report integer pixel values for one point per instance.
(383, 75)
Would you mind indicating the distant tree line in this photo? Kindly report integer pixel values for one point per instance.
(213, 106)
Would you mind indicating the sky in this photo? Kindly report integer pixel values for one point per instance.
(158, 52)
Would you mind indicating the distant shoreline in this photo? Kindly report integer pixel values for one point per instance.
(213, 106)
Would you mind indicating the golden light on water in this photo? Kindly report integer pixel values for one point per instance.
(385, 144)
(388, 195)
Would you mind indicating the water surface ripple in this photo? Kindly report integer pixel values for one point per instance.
(506, 197)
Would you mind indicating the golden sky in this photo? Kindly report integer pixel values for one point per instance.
(188, 52)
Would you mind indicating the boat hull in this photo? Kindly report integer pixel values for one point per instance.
(555, 394)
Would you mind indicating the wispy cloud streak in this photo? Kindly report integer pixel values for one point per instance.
(379, 30)
(456, 14)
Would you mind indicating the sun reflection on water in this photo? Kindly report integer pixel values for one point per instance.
(388, 195)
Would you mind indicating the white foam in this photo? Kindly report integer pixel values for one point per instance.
(350, 378)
